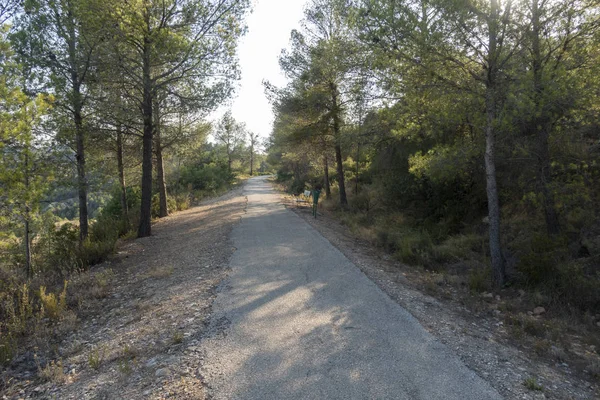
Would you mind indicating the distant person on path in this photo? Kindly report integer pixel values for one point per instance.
(316, 192)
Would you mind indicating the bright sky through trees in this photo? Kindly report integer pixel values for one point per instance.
(269, 28)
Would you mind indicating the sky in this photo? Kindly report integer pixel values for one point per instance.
(269, 28)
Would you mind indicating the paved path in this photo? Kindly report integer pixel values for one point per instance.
(300, 321)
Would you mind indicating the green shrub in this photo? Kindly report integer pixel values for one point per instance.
(575, 286)
(297, 186)
(106, 229)
(58, 250)
(96, 357)
(458, 247)
(531, 384)
(8, 348)
(540, 262)
(410, 247)
(182, 201)
(527, 324)
(16, 310)
(113, 207)
(171, 205)
(96, 252)
(363, 201)
(480, 280)
(210, 176)
(283, 176)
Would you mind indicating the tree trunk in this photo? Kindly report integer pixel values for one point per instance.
(160, 172)
(26, 237)
(229, 161)
(327, 184)
(338, 148)
(121, 168)
(145, 227)
(544, 180)
(542, 127)
(498, 271)
(340, 174)
(81, 179)
(251, 160)
(77, 104)
(27, 241)
(357, 167)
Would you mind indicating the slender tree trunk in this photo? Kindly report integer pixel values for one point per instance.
(340, 173)
(542, 127)
(327, 184)
(338, 148)
(27, 241)
(357, 167)
(81, 178)
(544, 181)
(297, 171)
(251, 160)
(229, 161)
(145, 227)
(121, 168)
(160, 172)
(498, 271)
(26, 237)
(77, 106)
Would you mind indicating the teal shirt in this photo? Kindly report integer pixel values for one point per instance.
(316, 194)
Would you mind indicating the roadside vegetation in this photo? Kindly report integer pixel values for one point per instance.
(102, 130)
(463, 140)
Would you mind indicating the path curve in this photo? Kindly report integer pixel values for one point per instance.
(297, 320)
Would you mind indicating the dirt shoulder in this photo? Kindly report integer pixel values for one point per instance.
(140, 338)
(479, 339)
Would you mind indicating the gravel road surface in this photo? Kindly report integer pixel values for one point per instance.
(297, 320)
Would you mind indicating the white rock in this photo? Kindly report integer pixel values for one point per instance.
(539, 310)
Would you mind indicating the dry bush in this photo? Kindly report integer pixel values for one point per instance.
(52, 372)
(53, 306)
(159, 272)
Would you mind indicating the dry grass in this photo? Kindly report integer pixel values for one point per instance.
(96, 357)
(52, 372)
(160, 272)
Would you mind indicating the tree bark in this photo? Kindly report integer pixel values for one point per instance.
(77, 104)
(80, 157)
(27, 241)
(26, 237)
(160, 172)
(338, 148)
(544, 181)
(541, 125)
(121, 170)
(327, 184)
(357, 167)
(498, 270)
(340, 173)
(229, 160)
(251, 159)
(145, 227)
